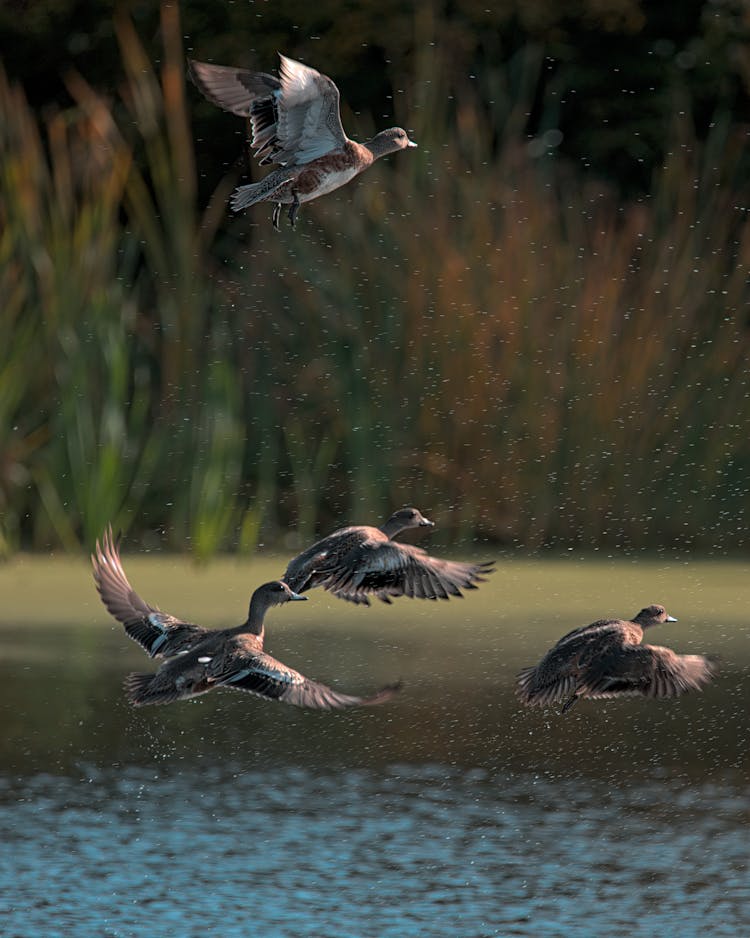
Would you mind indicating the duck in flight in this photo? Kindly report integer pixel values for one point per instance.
(607, 659)
(357, 562)
(294, 122)
(199, 660)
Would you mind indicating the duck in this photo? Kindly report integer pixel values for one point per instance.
(360, 561)
(198, 660)
(607, 659)
(294, 122)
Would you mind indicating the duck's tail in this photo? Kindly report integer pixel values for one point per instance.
(140, 690)
(263, 191)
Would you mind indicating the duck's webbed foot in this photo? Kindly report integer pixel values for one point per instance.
(275, 216)
(294, 208)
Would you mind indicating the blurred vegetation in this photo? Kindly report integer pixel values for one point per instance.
(482, 327)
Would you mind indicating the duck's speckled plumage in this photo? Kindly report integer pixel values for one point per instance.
(606, 659)
(200, 660)
(360, 561)
(294, 122)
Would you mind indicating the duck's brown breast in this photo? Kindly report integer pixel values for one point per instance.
(331, 171)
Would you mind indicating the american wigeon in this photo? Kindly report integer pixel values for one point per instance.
(200, 660)
(294, 122)
(607, 659)
(355, 562)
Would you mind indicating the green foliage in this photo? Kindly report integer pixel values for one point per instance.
(473, 328)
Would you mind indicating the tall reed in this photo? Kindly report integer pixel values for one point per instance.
(473, 328)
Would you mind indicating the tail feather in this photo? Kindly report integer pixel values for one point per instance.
(254, 192)
(140, 690)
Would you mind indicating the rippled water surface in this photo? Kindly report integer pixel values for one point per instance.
(418, 850)
(448, 812)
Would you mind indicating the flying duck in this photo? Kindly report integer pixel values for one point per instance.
(607, 659)
(356, 562)
(294, 122)
(200, 660)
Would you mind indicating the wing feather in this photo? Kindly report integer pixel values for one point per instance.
(652, 671)
(236, 90)
(608, 667)
(388, 568)
(309, 124)
(267, 677)
(294, 119)
(158, 633)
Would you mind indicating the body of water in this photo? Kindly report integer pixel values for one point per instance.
(449, 811)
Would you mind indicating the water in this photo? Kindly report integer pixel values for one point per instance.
(447, 812)
(407, 850)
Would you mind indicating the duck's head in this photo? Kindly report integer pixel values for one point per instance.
(388, 141)
(274, 594)
(653, 615)
(406, 518)
(270, 594)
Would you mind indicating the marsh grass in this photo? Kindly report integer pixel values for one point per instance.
(475, 328)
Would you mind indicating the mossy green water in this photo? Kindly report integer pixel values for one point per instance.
(523, 602)
(64, 658)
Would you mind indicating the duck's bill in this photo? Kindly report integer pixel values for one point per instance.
(411, 143)
(295, 597)
(672, 619)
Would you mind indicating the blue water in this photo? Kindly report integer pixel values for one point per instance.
(428, 850)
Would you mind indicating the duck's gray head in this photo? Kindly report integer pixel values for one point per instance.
(388, 141)
(406, 518)
(653, 615)
(274, 594)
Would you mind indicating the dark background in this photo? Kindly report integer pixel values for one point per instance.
(534, 327)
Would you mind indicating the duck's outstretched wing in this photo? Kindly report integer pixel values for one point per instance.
(263, 675)
(614, 670)
(388, 569)
(309, 124)
(158, 633)
(535, 689)
(294, 120)
(649, 671)
(318, 563)
(566, 668)
(232, 89)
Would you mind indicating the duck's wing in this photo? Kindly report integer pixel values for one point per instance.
(555, 678)
(388, 569)
(564, 670)
(300, 571)
(649, 671)
(316, 564)
(294, 120)
(308, 122)
(158, 633)
(598, 627)
(233, 89)
(264, 676)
